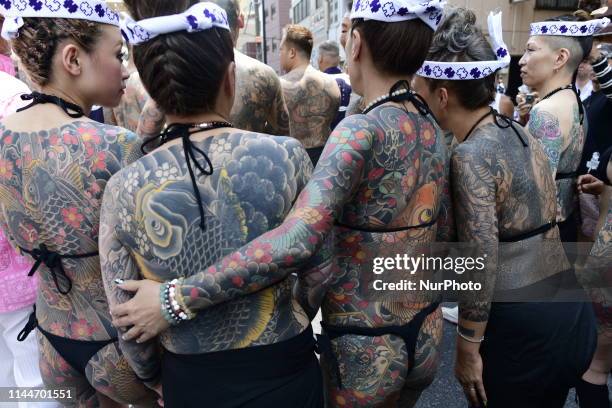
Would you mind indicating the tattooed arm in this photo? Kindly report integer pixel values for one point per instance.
(312, 284)
(286, 249)
(151, 121)
(117, 263)
(474, 194)
(545, 127)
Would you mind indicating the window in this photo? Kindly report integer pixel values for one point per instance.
(300, 11)
(272, 10)
(334, 12)
(557, 4)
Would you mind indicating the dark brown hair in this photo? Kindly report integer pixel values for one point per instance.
(458, 39)
(232, 9)
(299, 37)
(39, 38)
(181, 71)
(397, 48)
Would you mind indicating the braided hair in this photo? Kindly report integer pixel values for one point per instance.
(39, 39)
(181, 71)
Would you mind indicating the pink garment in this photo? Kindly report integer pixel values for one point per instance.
(17, 289)
(6, 65)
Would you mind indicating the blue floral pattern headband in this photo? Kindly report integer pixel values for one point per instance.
(199, 17)
(15, 10)
(390, 11)
(569, 28)
(461, 71)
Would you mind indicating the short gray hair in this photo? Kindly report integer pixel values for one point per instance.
(330, 48)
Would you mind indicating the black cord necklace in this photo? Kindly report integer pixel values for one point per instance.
(501, 121)
(73, 110)
(559, 89)
(401, 92)
(183, 131)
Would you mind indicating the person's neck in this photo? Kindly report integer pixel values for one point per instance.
(197, 118)
(325, 67)
(299, 66)
(379, 85)
(461, 121)
(558, 81)
(67, 96)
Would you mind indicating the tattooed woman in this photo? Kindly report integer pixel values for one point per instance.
(379, 182)
(55, 164)
(207, 189)
(503, 192)
(549, 66)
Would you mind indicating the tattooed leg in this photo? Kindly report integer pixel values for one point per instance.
(373, 371)
(110, 374)
(426, 360)
(56, 373)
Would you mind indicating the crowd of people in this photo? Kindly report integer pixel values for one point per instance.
(174, 214)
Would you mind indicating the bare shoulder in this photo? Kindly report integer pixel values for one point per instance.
(246, 63)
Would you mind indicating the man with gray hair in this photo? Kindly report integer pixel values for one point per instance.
(329, 61)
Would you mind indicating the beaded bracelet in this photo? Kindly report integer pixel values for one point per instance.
(178, 296)
(166, 305)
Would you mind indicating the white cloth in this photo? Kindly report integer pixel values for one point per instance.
(199, 17)
(569, 28)
(459, 71)
(19, 365)
(390, 11)
(586, 91)
(15, 10)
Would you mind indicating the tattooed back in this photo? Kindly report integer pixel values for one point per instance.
(151, 210)
(555, 122)
(313, 99)
(402, 183)
(502, 189)
(51, 190)
(259, 105)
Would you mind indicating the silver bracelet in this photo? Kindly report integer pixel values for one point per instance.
(469, 339)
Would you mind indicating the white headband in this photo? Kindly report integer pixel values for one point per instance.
(391, 11)
(16, 10)
(570, 28)
(459, 71)
(199, 17)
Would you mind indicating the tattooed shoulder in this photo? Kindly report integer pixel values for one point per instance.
(259, 104)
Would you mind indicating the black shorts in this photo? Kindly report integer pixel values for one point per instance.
(285, 374)
(534, 353)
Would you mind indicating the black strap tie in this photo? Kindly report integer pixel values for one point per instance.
(502, 122)
(571, 87)
(73, 110)
(29, 327)
(53, 261)
(183, 131)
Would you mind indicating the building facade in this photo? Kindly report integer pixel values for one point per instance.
(322, 17)
(277, 17)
